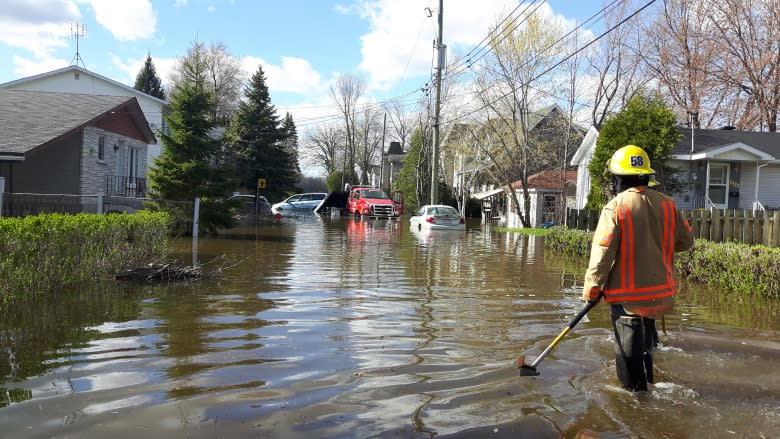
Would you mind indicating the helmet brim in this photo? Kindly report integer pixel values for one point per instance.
(617, 171)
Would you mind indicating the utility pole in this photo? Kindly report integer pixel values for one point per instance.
(440, 51)
(382, 156)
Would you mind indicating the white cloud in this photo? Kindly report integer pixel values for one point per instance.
(212, 9)
(294, 75)
(40, 27)
(24, 67)
(180, 3)
(400, 40)
(127, 20)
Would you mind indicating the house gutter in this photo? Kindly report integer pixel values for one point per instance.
(757, 204)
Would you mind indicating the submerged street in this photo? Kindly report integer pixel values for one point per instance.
(349, 328)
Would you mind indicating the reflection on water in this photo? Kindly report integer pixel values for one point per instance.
(360, 328)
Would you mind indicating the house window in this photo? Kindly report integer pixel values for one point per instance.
(718, 183)
(101, 148)
(549, 207)
(133, 170)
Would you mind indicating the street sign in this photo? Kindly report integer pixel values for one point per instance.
(261, 183)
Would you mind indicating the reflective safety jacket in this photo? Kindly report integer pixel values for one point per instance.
(632, 254)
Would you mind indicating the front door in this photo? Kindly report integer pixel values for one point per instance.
(718, 185)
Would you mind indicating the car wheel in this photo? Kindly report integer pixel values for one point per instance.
(419, 226)
(357, 214)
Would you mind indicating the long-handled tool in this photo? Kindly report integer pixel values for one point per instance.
(530, 369)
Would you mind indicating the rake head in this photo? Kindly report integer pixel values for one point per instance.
(525, 369)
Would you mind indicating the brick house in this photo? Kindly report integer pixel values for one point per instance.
(63, 143)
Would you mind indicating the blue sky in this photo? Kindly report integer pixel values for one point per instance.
(302, 44)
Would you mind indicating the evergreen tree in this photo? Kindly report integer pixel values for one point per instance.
(291, 144)
(257, 142)
(646, 122)
(147, 80)
(188, 165)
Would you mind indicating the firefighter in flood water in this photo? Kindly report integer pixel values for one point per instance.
(632, 262)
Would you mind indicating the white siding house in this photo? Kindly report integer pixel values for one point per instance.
(581, 160)
(722, 169)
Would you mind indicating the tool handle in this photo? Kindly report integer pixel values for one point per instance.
(588, 307)
(572, 324)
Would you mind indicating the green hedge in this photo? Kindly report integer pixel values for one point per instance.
(42, 253)
(568, 241)
(742, 268)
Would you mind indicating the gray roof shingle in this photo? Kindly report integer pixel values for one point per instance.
(707, 139)
(31, 118)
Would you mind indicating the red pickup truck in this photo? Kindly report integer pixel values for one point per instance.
(374, 202)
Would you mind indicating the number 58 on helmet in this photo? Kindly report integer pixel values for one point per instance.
(630, 160)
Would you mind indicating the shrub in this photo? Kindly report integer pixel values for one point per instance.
(746, 269)
(749, 270)
(44, 252)
(568, 241)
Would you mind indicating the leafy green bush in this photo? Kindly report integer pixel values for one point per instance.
(748, 270)
(568, 241)
(44, 252)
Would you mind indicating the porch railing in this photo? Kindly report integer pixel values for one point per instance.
(117, 186)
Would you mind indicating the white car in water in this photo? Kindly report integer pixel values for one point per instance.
(437, 217)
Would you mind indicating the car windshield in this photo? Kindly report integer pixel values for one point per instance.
(373, 194)
(444, 210)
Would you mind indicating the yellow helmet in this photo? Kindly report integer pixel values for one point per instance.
(630, 160)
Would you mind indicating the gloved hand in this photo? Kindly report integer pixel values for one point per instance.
(591, 295)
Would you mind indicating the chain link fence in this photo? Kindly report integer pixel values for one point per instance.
(24, 204)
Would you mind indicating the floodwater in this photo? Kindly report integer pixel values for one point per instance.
(344, 328)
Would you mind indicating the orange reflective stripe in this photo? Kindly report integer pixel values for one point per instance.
(672, 240)
(638, 294)
(623, 243)
(630, 245)
(667, 234)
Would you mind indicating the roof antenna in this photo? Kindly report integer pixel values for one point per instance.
(78, 30)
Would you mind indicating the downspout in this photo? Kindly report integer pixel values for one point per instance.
(756, 203)
(707, 201)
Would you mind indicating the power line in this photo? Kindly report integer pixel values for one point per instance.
(504, 34)
(467, 56)
(513, 89)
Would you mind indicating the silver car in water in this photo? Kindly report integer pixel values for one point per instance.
(299, 204)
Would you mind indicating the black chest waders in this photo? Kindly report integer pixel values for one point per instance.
(635, 338)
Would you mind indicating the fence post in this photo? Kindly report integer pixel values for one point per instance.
(100, 203)
(705, 224)
(759, 217)
(2, 190)
(593, 220)
(196, 218)
(775, 241)
(716, 230)
(728, 226)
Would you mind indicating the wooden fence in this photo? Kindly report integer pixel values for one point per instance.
(710, 224)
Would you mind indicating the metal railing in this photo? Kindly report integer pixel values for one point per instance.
(118, 186)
